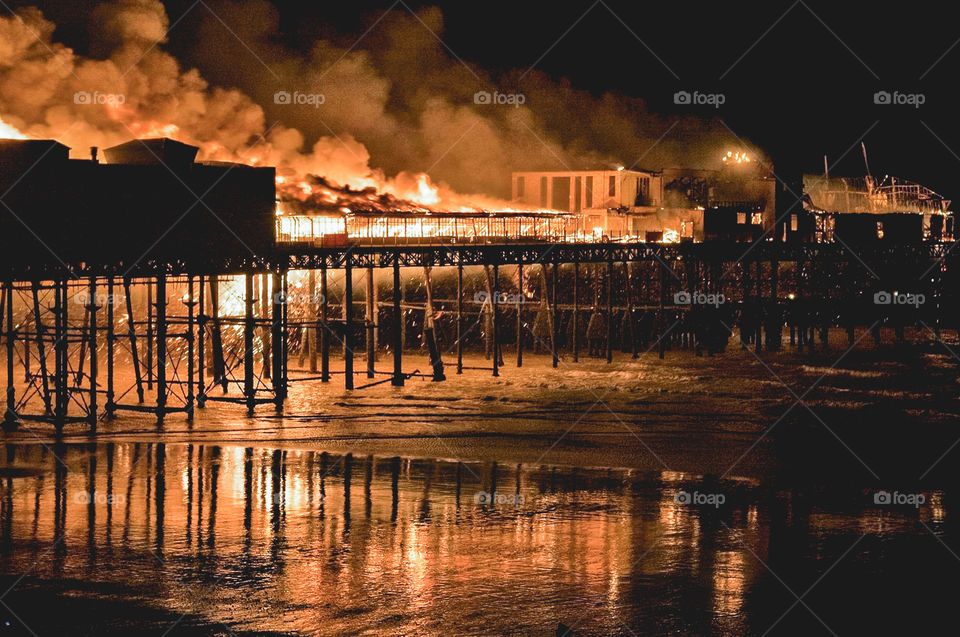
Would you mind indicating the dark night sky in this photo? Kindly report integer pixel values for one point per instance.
(803, 86)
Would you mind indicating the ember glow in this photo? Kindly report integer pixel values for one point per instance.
(736, 158)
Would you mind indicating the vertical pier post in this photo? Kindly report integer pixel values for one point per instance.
(111, 337)
(520, 315)
(190, 339)
(92, 407)
(496, 321)
(661, 317)
(132, 333)
(216, 337)
(266, 334)
(576, 311)
(397, 320)
(758, 336)
(161, 347)
(311, 335)
(248, 325)
(460, 313)
(609, 311)
(430, 331)
(62, 316)
(10, 417)
(324, 328)
(201, 348)
(41, 348)
(348, 323)
(370, 345)
(276, 336)
(775, 339)
(283, 347)
(149, 334)
(555, 321)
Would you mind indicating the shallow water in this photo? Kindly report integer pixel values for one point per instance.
(110, 538)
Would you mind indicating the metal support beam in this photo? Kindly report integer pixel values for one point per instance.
(92, 407)
(62, 315)
(111, 343)
(191, 304)
(41, 347)
(311, 336)
(149, 335)
(496, 320)
(216, 336)
(10, 416)
(161, 347)
(460, 316)
(609, 311)
(324, 328)
(132, 334)
(661, 316)
(249, 391)
(370, 331)
(520, 298)
(576, 312)
(201, 348)
(397, 321)
(348, 325)
(276, 338)
(555, 321)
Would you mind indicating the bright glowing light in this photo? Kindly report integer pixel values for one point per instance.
(736, 158)
(9, 132)
(671, 236)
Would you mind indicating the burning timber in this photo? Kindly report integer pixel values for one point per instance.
(216, 297)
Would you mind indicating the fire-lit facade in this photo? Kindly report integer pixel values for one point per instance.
(672, 204)
(414, 227)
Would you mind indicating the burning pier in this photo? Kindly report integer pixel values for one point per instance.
(221, 299)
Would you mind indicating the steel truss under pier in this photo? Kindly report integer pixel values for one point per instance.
(85, 341)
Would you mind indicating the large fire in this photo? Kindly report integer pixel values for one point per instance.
(9, 132)
(140, 91)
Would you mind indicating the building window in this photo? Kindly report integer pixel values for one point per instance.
(793, 223)
(521, 187)
(643, 192)
(756, 218)
(543, 192)
(577, 194)
(589, 191)
(612, 190)
(742, 218)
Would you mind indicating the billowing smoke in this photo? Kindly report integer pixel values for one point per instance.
(373, 113)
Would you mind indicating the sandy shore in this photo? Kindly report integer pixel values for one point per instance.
(733, 414)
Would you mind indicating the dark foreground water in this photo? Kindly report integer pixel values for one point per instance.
(171, 539)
